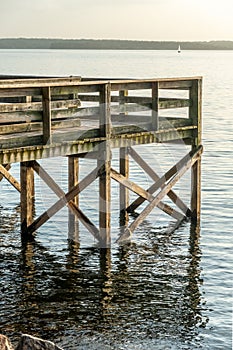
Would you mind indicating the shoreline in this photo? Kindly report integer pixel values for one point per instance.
(108, 44)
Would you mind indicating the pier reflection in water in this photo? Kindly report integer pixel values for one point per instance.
(146, 291)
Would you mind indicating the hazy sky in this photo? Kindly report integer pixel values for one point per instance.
(118, 19)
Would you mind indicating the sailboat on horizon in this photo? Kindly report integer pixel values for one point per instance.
(179, 49)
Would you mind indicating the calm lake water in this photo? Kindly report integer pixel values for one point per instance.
(167, 289)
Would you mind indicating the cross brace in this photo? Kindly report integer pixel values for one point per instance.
(65, 199)
(172, 176)
(171, 194)
(5, 173)
(144, 194)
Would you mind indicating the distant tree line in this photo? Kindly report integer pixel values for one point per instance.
(102, 44)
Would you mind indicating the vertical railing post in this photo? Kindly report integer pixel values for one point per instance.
(104, 164)
(28, 99)
(46, 104)
(73, 178)
(195, 113)
(155, 106)
(105, 113)
(122, 95)
(27, 195)
(195, 109)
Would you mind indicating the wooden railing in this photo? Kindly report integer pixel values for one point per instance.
(37, 111)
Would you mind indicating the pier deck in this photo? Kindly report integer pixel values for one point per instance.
(43, 117)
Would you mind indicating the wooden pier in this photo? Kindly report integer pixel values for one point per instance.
(46, 117)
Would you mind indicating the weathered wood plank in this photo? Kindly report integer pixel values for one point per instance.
(164, 103)
(12, 144)
(35, 116)
(121, 136)
(7, 167)
(4, 172)
(79, 88)
(93, 98)
(134, 107)
(130, 108)
(37, 106)
(128, 129)
(38, 82)
(130, 85)
(37, 126)
(139, 84)
(7, 94)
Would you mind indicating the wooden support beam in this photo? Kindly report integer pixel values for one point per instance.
(27, 196)
(144, 194)
(196, 191)
(124, 192)
(7, 167)
(64, 200)
(154, 176)
(46, 103)
(9, 177)
(73, 178)
(131, 185)
(105, 194)
(181, 170)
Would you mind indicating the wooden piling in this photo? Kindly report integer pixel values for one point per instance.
(104, 165)
(26, 196)
(73, 178)
(196, 191)
(124, 192)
